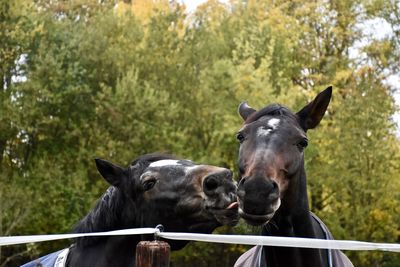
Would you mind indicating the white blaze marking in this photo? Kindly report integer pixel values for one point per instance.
(261, 131)
(272, 123)
(165, 162)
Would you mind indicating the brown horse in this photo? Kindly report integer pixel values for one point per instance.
(272, 190)
(154, 189)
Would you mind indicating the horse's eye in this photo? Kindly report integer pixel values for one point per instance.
(240, 137)
(149, 184)
(303, 143)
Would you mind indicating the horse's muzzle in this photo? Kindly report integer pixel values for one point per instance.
(258, 199)
(220, 197)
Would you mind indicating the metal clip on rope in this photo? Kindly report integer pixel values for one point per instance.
(159, 229)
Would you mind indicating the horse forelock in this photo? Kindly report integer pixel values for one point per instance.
(139, 165)
(271, 110)
(147, 159)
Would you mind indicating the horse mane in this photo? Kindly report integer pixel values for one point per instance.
(106, 214)
(271, 110)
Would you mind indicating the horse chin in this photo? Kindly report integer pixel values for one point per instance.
(256, 219)
(227, 217)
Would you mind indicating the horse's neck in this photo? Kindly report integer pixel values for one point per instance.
(298, 226)
(109, 214)
(109, 251)
(293, 220)
(291, 225)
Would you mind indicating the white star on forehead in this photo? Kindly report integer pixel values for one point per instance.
(174, 163)
(272, 123)
(187, 165)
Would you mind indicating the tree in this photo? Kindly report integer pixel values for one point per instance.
(86, 79)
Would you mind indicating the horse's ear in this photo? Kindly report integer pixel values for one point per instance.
(112, 173)
(312, 113)
(245, 110)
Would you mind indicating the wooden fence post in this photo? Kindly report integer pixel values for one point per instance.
(152, 254)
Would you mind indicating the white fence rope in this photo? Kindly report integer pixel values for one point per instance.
(216, 238)
(23, 239)
(283, 241)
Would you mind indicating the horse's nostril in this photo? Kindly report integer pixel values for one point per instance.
(241, 182)
(210, 183)
(275, 185)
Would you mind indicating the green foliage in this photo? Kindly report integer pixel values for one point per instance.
(81, 80)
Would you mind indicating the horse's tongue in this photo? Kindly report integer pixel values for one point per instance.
(233, 205)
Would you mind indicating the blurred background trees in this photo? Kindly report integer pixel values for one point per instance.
(115, 79)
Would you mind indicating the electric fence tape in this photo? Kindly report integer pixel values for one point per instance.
(217, 238)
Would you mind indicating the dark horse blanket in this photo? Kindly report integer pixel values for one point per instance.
(55, 259)
(255, 256)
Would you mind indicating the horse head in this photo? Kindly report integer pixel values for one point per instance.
(271, 158)
(179, 194)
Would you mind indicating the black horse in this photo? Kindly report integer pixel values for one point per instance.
(153, 189)
(272, 190)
